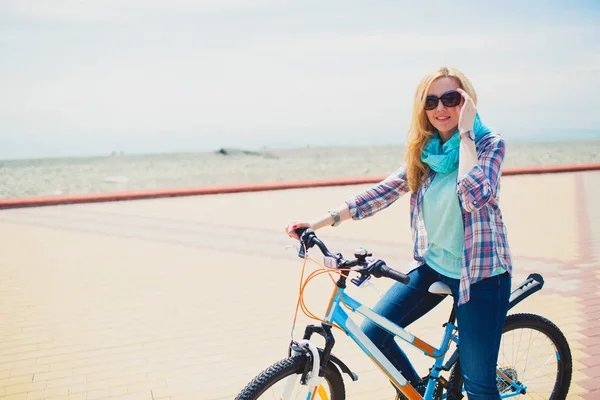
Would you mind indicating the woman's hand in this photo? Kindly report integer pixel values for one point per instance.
(291, 228)
(467, 113)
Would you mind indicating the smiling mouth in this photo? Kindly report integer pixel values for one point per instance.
(442, 119)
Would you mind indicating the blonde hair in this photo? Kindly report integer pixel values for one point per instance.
(420, 127)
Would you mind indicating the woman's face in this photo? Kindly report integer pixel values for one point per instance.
(444, 118)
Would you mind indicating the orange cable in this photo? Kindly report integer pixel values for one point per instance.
(303, 283)
(299, 293)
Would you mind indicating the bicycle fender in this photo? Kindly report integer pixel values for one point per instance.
(532, 284)
(341, 366)
(297, 349)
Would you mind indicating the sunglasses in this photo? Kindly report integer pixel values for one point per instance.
(449, 99)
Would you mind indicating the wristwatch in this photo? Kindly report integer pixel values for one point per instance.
(336, 218)
(468, 134)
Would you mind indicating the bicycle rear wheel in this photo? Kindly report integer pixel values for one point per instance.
(284, 376)
(535, 352)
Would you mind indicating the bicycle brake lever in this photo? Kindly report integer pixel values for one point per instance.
(301, 252)
(305, 241)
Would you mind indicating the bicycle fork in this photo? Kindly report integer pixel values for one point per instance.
(317, 360)
(312, 379)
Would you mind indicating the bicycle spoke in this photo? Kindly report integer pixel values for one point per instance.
(539, 369)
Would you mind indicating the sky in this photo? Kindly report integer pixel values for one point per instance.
(82, 78)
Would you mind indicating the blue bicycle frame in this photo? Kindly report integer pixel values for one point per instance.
(336, 314)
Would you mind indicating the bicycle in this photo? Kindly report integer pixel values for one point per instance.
(310, 372)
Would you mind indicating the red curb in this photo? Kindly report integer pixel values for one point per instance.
(551, 169)
(148, 194)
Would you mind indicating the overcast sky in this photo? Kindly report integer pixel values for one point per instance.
(89, 77)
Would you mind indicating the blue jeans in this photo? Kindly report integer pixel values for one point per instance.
(480, 322)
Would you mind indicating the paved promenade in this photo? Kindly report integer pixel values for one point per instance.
(189, 298)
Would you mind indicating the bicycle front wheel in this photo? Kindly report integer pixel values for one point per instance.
(534, 352)
(282, 381)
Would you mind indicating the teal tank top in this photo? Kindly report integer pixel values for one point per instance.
(444, 226)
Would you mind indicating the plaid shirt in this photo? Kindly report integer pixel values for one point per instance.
(486, 245)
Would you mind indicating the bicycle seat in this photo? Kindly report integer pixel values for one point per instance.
(439, 288)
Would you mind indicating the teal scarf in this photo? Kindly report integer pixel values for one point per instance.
(443, 157)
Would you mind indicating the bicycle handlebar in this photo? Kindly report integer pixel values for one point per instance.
(378, 268)
(395, 275)
(309, 239)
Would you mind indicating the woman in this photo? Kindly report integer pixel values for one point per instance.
(452, 170)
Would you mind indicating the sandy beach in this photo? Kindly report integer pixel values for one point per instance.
(41, 177)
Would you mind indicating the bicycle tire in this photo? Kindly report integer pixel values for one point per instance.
(289, 366)
(553, 333)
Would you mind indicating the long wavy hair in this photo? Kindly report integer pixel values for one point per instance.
(420, 127)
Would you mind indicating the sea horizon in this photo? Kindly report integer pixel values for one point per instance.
(584, 136)
(233, 166)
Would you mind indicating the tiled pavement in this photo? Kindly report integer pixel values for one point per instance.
(189, 298)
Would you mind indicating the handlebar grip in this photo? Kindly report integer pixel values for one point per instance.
(395, 275)
(300, 231)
